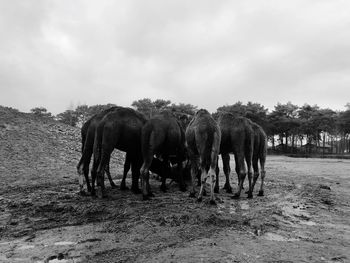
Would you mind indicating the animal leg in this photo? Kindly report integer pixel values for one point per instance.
(250, 176)
(255, 178)
(194, 172)
(217, 171)
(80, 176)
(135, 174)
(256, 171)
(94, 175)
(127, 165)
(164, 171)
(83, 169)
(261, 191)
(263, 172)
(86, 165)
(109, 174)
(146, 190)
(105, 156)
(212, 179)
(180, 171)
(250, 191)
(242, 174)
(227, 171)
(204, 176)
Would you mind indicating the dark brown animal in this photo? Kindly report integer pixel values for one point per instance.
(203, 144)
(120, 129)
(87, 139)
(259, 154)
(237, 137)
(163, 136)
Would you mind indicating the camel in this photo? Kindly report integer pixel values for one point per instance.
(87, 139)
(203, 144)
(162, 135)
(237, 137)
(120, 129)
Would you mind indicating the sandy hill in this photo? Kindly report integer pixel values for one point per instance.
(38, 151)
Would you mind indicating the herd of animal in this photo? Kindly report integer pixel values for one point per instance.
(166, 139)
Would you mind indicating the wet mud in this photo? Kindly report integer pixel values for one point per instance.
(303, 217)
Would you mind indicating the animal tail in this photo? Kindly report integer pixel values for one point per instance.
(215, 149)
(263, 148)
(211, 150)
(98, 143)
(249, 144)
(87, 148)
(83, 140)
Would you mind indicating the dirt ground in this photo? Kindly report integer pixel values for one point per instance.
(303, 217)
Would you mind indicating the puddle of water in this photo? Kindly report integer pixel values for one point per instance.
(6, 243)
(64, 243)
(296, 210)
(24, 247)
(55, 260)
(276, 237)
(308, 223)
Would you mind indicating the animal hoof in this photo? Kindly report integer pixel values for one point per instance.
(261, 193)
(250, 195)
(163, 188)
(212, 202)
(199, 199)
(216, 190)
(235, 196)
(192, 195)
(113, 185)
(150, 194)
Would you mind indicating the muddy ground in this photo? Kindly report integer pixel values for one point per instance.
(304, 217)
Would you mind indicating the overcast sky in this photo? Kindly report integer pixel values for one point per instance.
(64, 53)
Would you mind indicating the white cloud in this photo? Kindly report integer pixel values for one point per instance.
(55, 53)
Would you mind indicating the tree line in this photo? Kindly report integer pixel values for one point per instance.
(290, 128)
